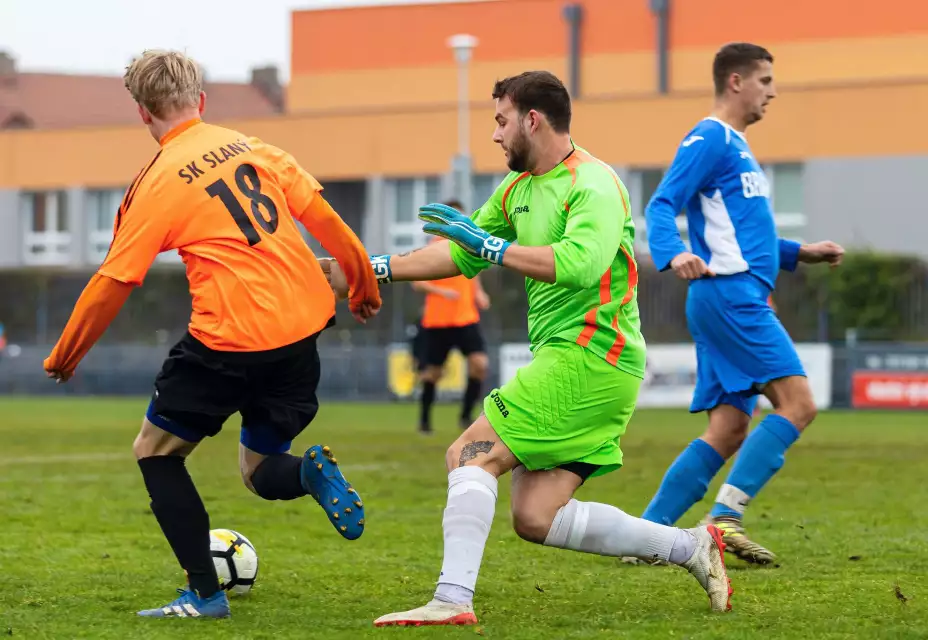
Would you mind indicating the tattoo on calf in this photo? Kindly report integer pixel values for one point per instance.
(471, 449)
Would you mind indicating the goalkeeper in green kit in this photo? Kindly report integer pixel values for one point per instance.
(561, 218)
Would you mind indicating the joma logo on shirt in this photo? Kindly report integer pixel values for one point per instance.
(523, 209)
(500, 404)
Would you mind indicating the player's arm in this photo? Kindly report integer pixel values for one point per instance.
(321, 220)
(597, 212)
(140, 234)
(481, 297)
(789, 254)
(434, 289)
(313, 211)
(693, 164)
(440, 260)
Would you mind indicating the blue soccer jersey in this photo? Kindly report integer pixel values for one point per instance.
(725, 193)
(740, 343)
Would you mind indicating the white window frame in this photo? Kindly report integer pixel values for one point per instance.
(412, 229)
(50, 247)
(790, 225)
(99, 239)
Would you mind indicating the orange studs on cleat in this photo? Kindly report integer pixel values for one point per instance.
(351, 491)
(361, 522)
(312, 455)
(358, 504)
(326, 450)
(319, 466)
(347, 509)
(333, 460)
(335, 515)
(343, 528)
(334, 500)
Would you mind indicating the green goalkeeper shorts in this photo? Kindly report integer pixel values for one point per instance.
(567, 405)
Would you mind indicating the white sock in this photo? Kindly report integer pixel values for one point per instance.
(466, 524)
(607, 531)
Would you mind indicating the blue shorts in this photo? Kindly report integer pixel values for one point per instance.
(740, 343)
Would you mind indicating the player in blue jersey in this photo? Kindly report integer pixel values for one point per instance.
(742, 350)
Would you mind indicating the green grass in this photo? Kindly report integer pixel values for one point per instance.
(82, 552)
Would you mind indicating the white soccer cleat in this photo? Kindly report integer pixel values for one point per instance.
(708, 566)
(434, 613)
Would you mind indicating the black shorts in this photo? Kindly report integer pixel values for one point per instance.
(437, 343)
(275, 391)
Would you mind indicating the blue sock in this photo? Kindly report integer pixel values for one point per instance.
(761, 456)
(685, 483)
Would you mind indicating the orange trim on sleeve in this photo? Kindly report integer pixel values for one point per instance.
(615, 352)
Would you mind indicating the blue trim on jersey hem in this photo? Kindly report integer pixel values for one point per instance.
(264, 444)
(182, 432)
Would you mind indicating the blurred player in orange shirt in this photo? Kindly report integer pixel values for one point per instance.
(229, 204)
(451, 319)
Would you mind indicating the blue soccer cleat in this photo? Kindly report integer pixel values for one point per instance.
(324, 481)
(190, 605)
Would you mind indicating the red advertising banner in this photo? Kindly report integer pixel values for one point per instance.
(890, 389)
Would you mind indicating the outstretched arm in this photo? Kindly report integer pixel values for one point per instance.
(95, 310)
(432, 262)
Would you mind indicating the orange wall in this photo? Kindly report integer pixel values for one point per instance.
(404, 59)
(807, 123)
(373, 89)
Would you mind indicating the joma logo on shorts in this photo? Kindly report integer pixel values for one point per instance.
(499, 404)
(522, 209)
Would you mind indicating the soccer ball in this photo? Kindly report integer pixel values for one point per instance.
(236, 560)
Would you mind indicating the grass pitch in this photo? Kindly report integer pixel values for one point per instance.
(848, 516)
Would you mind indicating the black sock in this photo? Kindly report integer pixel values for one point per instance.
(183, 519)
(471, 393)
(278, 478)
(428, 397)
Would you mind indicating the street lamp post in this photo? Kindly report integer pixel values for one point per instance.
(463, 45)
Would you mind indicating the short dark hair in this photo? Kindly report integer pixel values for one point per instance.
(737, 57)
(454, 203)
(538, 90)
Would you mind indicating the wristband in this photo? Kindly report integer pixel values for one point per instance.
(493, 249)
(381, 267)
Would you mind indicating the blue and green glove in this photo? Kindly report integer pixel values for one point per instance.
(449, 223)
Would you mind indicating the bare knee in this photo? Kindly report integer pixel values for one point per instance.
(532, 525)
(155, 441)
(792, 398)
(728, 427)
(801, 412)
(430, 374)
(478, 364)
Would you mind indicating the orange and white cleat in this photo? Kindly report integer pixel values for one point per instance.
(434, 613)
(708, 566)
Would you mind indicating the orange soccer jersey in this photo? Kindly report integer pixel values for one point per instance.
(440, 312)
(230, 205)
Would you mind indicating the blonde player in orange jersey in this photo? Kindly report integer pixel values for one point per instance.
(451, 320)
(230, 204)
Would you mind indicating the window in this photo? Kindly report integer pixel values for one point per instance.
(483, 187)
(403, 199)
(45, 216)
(641, 185)
(786, 196)
(101, 207)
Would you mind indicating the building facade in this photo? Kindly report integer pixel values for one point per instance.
(375, 116)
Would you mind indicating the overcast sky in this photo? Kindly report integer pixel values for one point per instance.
(228, 37)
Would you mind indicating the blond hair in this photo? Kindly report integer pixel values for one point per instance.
(164, 81)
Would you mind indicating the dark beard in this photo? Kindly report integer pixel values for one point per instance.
(518, 155)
